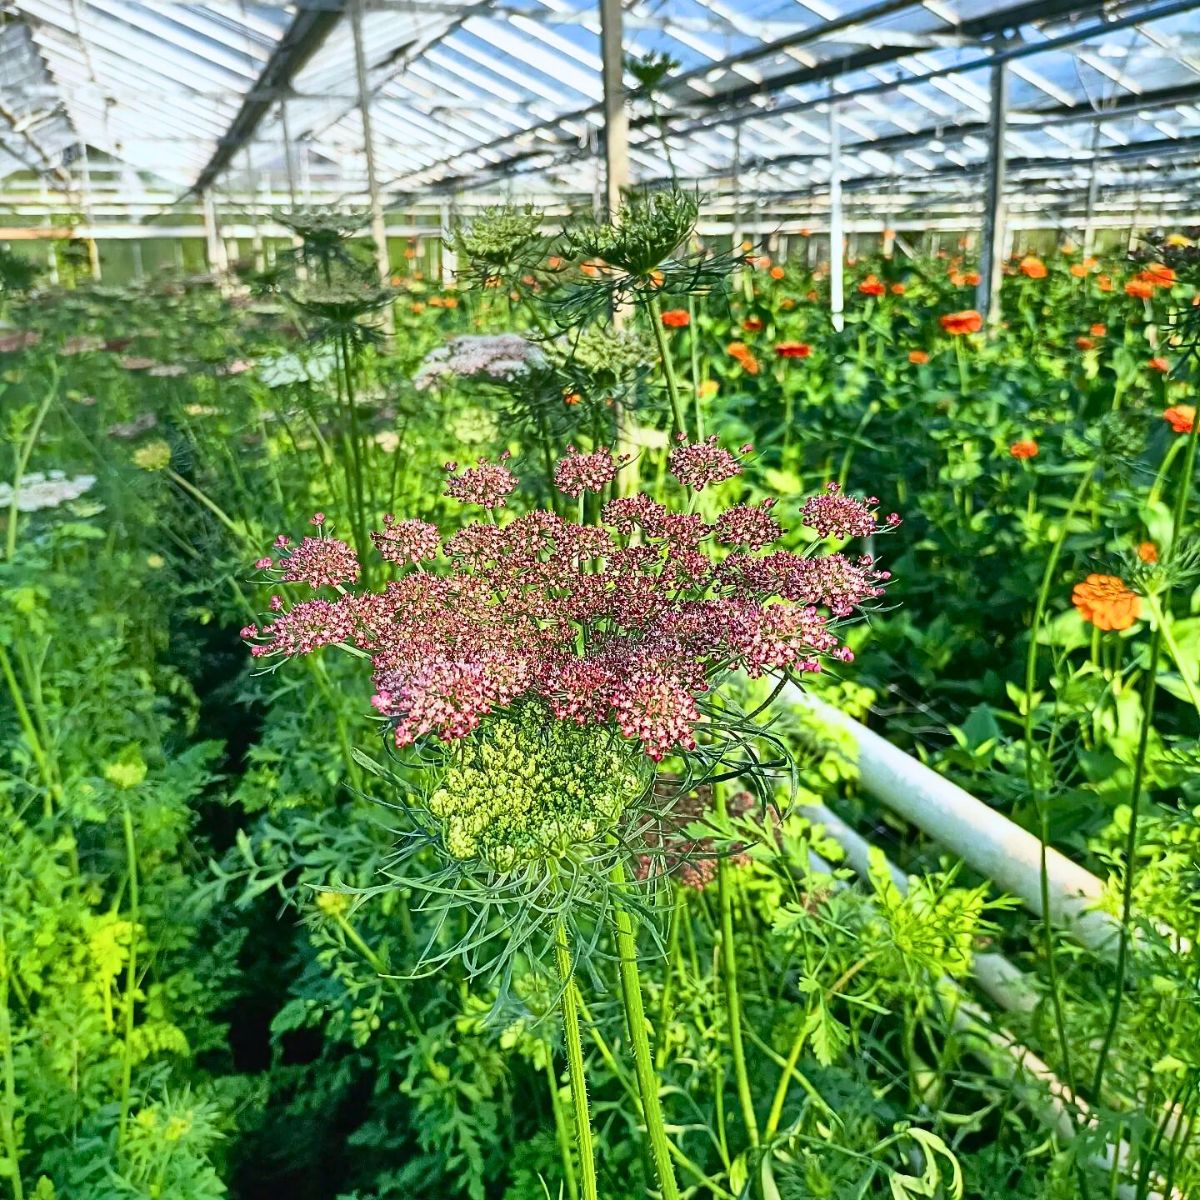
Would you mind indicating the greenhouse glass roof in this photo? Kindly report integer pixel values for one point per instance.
(130, 108)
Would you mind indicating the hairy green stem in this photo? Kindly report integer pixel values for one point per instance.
(635, 1013)
(560, 1126)
(569, 1007)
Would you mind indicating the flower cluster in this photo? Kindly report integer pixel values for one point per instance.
(487, 484)
(578, 473)
(498, 357)
(834, 515)
(525, 788)
(36, 490)
(622, 625)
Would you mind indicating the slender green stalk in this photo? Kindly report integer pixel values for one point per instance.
(28, 728)
(1162, 622)
(635, 1013)
(8, 1112)
(130, 971)
(1032, 784)
(200, 497)
(1178, 517)
(733, 1004)
(678, 915)
(664, 351)
(23, 456)
(569, 1007)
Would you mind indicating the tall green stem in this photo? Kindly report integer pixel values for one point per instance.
(569, 1007)
(23, 456)
(733, 1003)
(8, 1112)
(664, 351)
(1031, 782)
(130, 971)
(1178, 518)
(635, 1014)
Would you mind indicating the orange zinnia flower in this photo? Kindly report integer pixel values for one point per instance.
(589, 269)
(1098, 330)
(1140, 288)
(1106, 602)
(572, 398)
(1159, 275)
(1032, 267)
(744, 356)
(777, 272)
(676, 318)
(968, 321)
(1180, 417)
(1104, 283)
(971, 278)
(1026, 448)
(793, 349)
(897, 289)
(871, 287)
(1078, 270)
(1084, 343)
(708, 389)
(957, 278)
(1147, 552)
(656, 278)
(806, 232)
(554, 263)
(418, 308)
(918, 357)
(787, 303)
(1159, 364)
(752, 324)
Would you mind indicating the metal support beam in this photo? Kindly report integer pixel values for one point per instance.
(218, 263)
(383, 261)
(303, 38)
(837, 231)
(616, 120)
(987, 294)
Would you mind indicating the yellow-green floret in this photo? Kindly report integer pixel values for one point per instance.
(525, 786)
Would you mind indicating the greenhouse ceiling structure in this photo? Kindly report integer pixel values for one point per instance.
(914, 115)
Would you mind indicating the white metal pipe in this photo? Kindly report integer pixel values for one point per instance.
(991, 263)
(988, 841)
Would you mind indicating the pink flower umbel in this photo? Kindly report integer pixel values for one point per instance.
(836, 515)
(488, 484)
(626, 624)
(578, 473)
(697, 465)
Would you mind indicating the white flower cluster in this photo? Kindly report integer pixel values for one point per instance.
(36, 491)
(494, 356)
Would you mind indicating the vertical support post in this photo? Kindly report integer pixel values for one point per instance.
(449, 257)
(837, 229)
(218, 264)
(139, 264)
(616, 122)
(991, 264)
(378, 228)
(736, 198)
(256, 241)
(289, 152)
(1089, 215)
